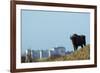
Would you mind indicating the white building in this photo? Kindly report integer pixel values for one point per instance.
(28, 57)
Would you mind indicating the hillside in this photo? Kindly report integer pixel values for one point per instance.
(80, 54)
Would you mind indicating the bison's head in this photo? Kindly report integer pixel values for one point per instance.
(74, 35)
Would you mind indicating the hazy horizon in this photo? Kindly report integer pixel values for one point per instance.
(48, 29)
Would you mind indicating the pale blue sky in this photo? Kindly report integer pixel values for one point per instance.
(47, 29)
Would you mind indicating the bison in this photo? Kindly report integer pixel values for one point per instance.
(78, 40)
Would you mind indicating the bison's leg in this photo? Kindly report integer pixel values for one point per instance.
(84, 43)
(75, 48)
(82, 46)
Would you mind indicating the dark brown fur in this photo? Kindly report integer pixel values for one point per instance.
(78, 40)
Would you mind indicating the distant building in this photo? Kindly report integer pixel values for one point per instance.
(45, 53)
(38, 54)
(59, 51)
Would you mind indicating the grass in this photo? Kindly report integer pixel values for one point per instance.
(40, 60)
(81, 54)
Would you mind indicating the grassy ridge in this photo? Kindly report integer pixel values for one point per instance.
(81, 54)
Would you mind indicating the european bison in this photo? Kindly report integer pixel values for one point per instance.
(78, 40)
